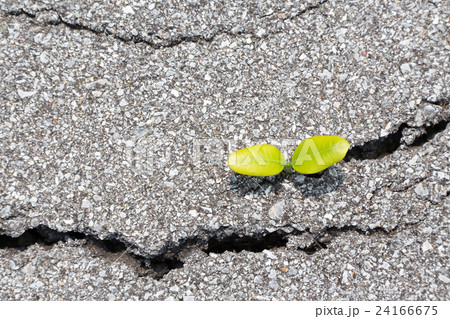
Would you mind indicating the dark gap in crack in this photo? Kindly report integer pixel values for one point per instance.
(155, 266)
(277, 239)
(77, 26)
(314, 247)
(184, 39)
(385, 145)
(41, 234)
(430, 133)
(299, 13)
(444, 102)
(169, 258)
(335, 231)
(111, 245)
(310, 8)
(19, 12)
(375, 148)
(255, 243)
(60, 20)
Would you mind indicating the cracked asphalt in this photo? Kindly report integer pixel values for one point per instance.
(117, 121)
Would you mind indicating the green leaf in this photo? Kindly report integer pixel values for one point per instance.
(257, 160)
(318, 152)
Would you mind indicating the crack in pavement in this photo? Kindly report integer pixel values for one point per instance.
(170, 257)
(139, 39)
(131, 38)
(377, 148)
(225, 239)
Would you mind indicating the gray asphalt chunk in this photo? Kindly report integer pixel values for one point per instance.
(115, 132)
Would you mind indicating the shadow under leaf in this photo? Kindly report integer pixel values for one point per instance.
(313, 185)
(316, 185)
(243, 184)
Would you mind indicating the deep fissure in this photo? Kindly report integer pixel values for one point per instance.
(388, 144)
(170, 258)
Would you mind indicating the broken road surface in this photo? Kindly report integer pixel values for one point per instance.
(115, 133)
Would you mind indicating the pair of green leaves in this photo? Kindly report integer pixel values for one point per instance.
(312, 156)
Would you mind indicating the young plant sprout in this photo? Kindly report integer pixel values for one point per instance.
(312, 156)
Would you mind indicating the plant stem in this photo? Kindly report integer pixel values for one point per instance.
(288, 167)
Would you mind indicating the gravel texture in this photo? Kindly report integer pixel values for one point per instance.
(114, 128)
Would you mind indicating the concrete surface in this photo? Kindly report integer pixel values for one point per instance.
(117, 122)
